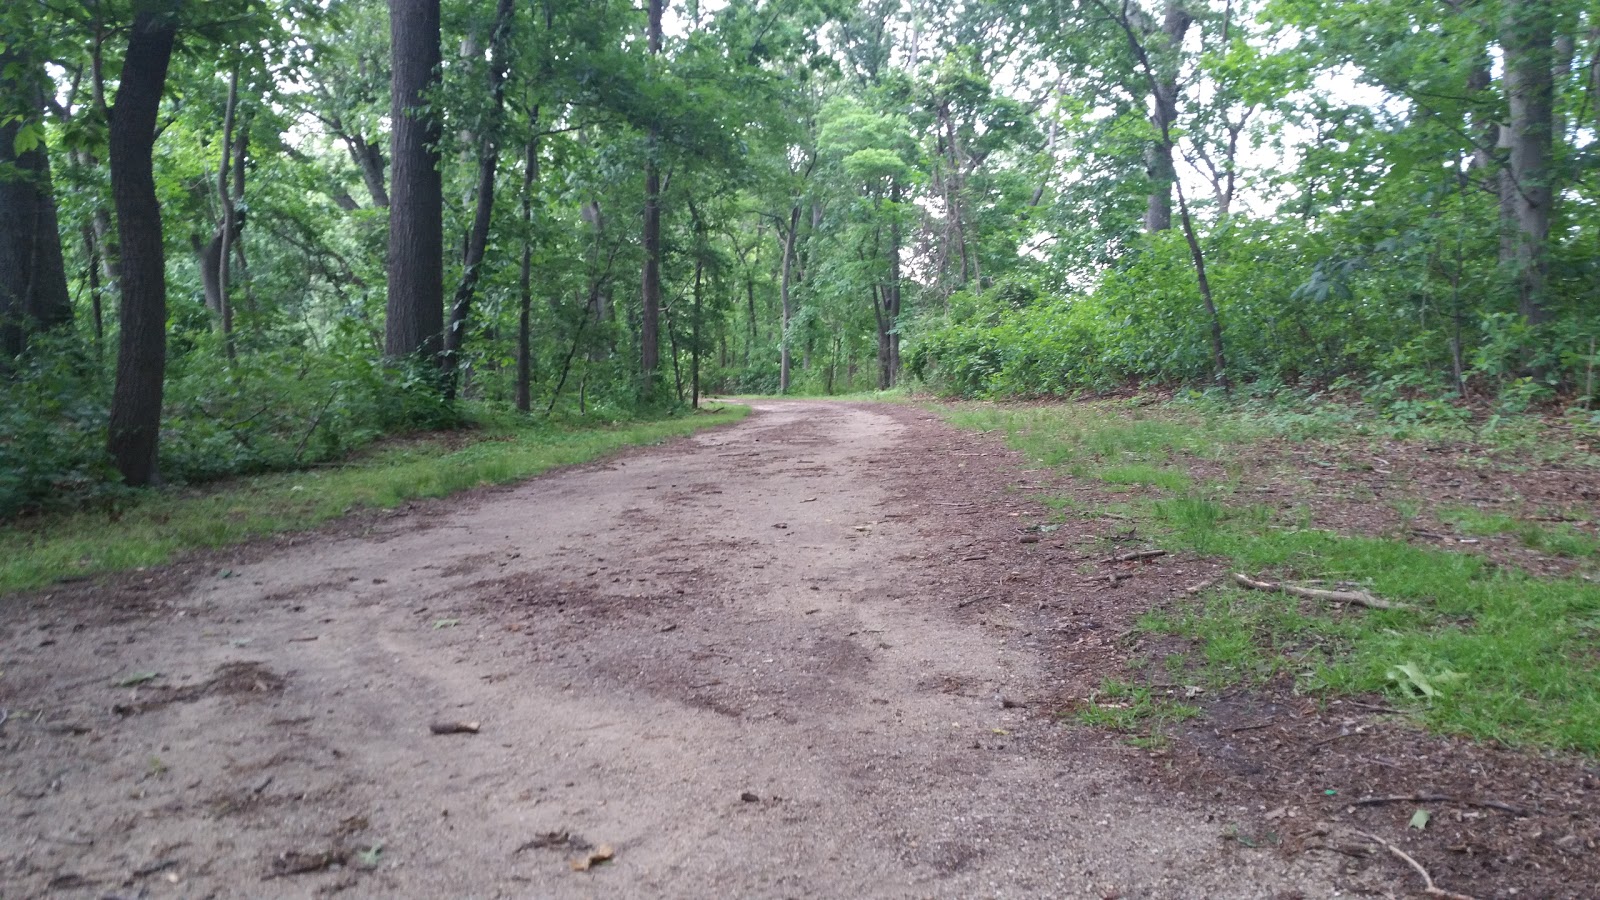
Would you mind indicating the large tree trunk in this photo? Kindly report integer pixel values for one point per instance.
(33, 275)
(488, 161)
(1527, 39)
(142, 349)
(650, 288)
(1159, 164)
(415, 321)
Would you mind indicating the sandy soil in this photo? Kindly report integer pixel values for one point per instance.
(749, 664)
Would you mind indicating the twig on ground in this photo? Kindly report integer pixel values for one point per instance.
(1252, 727)
(1440, 798)
(1197, 588)
(1432, 889)
(1135, 555)
(1358, 598)
(1373, 707)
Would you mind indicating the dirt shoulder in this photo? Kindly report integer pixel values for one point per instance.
(769, 661)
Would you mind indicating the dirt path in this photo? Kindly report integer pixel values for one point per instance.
(741, 661)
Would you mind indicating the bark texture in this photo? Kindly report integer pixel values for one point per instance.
(1528, 42)
(142, 348)
(415, 320)
(1159, 165)
(650, 286)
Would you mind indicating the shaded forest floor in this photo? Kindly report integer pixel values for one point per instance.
(835, 650)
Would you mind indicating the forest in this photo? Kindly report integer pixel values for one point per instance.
(244, 235)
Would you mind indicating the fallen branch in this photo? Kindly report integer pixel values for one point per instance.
(1356, 598)
(1432, 889)
(1135, 555)
(1441, 798)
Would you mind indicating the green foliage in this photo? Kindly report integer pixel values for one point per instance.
(52, 430)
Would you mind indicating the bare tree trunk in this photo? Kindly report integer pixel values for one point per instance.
(369, 159)
(225, 233)
(530, 177)
(91, 250)
(650, 287)
(784, 355)
(415, 320)
(891, 292)
(142, 351)
(1159, 164)
(1528, 39)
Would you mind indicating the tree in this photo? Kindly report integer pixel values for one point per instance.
(415, 321)
(650, 287)
(142, 351)
(33, 278)
(488, 162)
(1528, 39)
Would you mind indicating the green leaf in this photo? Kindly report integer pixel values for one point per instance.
(138, 678)
(1420, 818)
(29, 137)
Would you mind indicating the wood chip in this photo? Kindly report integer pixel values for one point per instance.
(602, 854)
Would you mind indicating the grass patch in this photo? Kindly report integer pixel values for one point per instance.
(152, 527)
(1132, 709)
(1556, 539)
(1145, 474)
(1487, 652)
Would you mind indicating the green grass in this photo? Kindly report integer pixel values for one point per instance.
(1133, 709)
(1556, 539)
(1508, 656)
(152, 527)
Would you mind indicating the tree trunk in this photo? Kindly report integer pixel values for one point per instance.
(650, 288)
(369, 159)
(1527, 40)
(784, 356)
(530, 177)
(1163, 115)
(142, 349)
(1219, 359)
(891, 294)
(416, 226)
(33, 275)
(225, 232)
(488, 161)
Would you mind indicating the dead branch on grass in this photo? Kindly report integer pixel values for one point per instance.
(1432, 889)
(1356, 598)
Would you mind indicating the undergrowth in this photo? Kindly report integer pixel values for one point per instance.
(1491, 652)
